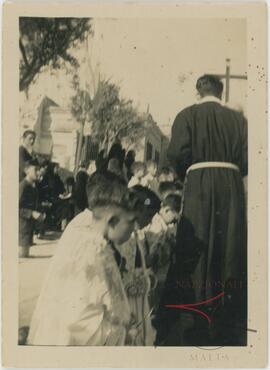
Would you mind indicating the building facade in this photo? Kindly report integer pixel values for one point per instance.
(58, 132)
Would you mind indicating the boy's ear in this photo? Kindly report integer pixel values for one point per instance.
(113, 221)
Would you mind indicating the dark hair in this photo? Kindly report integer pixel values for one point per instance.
(107, 189)
(147, 203)
(130, 157)
(209, 85)
(137, 166)
(44, 163)
(167, 186)
(115, 151)
(179, 185)
(173, 201)
(29, 132)
(118, 153)
(84, 164)
(31, 163)
(167, 170)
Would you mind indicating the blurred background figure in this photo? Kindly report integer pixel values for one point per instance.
(167, 174)
(129, 160)
(138, 172)
(150, 180)
(26, 152)
(29, 211)
(67, 206)
(117, 152)
(114, 167)
(80, 196)
(101, 162)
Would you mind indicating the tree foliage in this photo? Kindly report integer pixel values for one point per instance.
(112, 118)
(46, 41)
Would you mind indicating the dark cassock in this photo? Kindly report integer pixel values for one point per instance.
(81, 202)
(208, 149)
(24, 157)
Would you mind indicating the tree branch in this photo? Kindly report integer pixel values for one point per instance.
(23, 53)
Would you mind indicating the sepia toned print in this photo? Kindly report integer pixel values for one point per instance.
(134, 215)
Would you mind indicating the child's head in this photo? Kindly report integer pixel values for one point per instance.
(138, 169)
(147, 205)
(167, 174)
(166, 188)
(83, 165)
(31, 170)
(112, 206)
(170, 208)
(151, 167)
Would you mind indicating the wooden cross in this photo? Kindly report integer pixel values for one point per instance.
(227, 77)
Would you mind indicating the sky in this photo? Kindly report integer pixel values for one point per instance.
(156, 62)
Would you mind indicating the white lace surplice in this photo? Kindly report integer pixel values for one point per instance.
(83, 301)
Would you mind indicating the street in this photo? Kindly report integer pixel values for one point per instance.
(31, 274)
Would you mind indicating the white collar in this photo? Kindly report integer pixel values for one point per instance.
(210, 98)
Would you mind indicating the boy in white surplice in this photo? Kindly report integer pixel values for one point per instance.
(83, 301)
(160, 238)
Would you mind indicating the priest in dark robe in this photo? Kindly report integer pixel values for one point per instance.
(81, 202)
(208, 149)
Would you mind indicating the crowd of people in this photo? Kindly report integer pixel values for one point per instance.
(46, 202)
(144, 238)
(49, 201)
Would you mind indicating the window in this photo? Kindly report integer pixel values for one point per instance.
(90, 149)
(93, 152)
(149, 150)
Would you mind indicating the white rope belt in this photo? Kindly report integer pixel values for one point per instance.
(200, 165)
(197, 166)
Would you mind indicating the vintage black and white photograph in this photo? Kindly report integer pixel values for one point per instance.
(132, 193)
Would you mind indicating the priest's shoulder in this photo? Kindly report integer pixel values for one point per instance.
(237, 112)
(185, 113)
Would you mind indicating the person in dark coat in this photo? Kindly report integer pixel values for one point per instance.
(81, 202)
(67, 209)
(26, 153)
(56, 185)
(118, 153)
(208, 150)
(44, 197)
(56, 189)
(28, 209)
(129, 160)
(101, 162)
